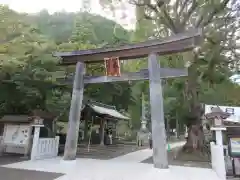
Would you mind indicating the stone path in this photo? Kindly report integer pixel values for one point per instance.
(125, 167)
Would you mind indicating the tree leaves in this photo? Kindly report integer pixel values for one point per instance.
(29, 72)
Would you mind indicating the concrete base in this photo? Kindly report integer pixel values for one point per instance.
(25, 157)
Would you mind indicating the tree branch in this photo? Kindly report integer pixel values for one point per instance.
(160, 3)
(215, 11)
(182, 7)
(176, 6)
(170, 22)
(190, 12)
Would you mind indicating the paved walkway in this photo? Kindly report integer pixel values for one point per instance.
(141, 155)
(126, 167)
(20, 174)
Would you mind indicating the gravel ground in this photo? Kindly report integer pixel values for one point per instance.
(181, 162)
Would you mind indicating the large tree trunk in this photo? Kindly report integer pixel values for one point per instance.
(195, 140)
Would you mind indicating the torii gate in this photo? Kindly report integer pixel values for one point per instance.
(151, 49)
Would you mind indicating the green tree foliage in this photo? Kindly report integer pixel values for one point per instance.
(62, 26)
(209, 67)
(29, 72)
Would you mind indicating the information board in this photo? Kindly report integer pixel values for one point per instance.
(234, 147)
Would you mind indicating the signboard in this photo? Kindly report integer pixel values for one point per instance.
(16, 134)
(236, 166)
(235, 147)
(112, 66)
(111, 125)
(230, 111)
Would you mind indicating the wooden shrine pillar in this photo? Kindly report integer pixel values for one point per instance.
(102, 131)
(75, 113)
(160, 159)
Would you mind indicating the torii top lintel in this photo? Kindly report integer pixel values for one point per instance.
(177, 43)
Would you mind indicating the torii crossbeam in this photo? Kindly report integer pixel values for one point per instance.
(129, 76)
(151, 49)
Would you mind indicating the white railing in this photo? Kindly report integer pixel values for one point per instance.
(217, 160)
(46, 148)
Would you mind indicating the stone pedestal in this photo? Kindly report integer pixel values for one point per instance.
(219, 137)
(35, 140)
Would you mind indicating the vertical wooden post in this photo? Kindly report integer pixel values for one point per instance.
(85, 128)
(74, 114)
(143, 120)
(157, 114)
(102, 131)
(177, 127)
(87, 116)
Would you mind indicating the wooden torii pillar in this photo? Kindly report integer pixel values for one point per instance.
(151, 49)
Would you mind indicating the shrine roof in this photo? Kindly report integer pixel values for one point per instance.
(217, 112)
(177, 43)
(27, 118)
(109, 112)
(106, 110)
(16, 119)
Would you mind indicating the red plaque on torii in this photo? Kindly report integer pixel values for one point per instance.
(112, 66)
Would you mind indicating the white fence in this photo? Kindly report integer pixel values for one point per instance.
(46, 148)
(217, 159)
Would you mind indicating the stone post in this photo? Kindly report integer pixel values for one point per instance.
(157, 114)
(35, 141)
(74, 114)
(29, 143)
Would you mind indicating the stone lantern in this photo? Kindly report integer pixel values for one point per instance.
(217, 115)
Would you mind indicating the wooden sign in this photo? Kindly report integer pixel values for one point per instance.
(236, 167)
(230, 111)
(234, 147)
(111, 125)
(112, 66)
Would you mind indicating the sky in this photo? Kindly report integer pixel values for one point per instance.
(33, 6)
